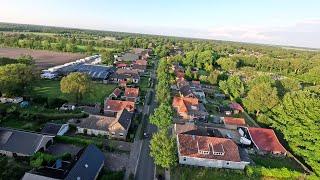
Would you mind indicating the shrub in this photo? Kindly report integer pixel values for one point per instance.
(79, 141)
(56, 102)
(40, 100)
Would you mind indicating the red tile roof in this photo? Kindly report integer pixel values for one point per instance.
(234, 121)
(189, 145)
(131, 92)
(266, 140)
(121, 65)
(141, 62)
(181, 103)
(236, 106)
(127, 71)
(117, 105)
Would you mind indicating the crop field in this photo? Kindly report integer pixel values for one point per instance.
(44, 59)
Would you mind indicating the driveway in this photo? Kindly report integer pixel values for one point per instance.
(116, 161)
(58, 149)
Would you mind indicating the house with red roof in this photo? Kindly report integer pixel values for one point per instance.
(266, 141)
(189, 108)
(131, 94)
(113, 107)
(236, 108)
(233, 123)
(209, 151)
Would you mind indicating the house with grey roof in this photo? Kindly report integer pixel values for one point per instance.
(22, 143)
(128, 57)
(114, 127)
(55, 129)
(87, 164)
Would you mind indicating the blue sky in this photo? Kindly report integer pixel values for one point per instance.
(289, 22)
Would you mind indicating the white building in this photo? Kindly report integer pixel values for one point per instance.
(209, 152)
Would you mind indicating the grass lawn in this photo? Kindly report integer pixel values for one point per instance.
(51, 89)
(276, 162)
(197, 173)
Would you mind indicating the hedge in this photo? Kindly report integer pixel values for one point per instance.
(79, 141)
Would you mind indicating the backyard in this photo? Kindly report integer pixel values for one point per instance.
(51, 89)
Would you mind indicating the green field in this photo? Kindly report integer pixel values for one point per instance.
(51, 89)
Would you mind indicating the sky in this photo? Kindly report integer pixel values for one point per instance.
(282, 22)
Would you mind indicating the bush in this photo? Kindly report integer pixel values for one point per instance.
(79, 141)
(56, 102)
(40, 159)
(40, 100)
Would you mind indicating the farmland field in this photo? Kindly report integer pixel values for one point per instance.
(44, 59)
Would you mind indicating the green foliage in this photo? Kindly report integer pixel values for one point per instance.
(111, 175)
(298, 118)
(163, 149)
(228, 63)
(233, 86)
(162, 116)
(107, 57)
(12, 169)
(76, 84)
(213, 77)
(261, 98)
(14, 78)
(279, 173)
(80, 141)
(261, 79)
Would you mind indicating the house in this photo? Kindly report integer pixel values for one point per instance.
(127, 75)
(193, 129)
(197, 90)
(128, 57)
(140, 66)
(131, 94)
(22, 143)
(115, 127)
(185, 91)
(55, 129)
(266, 141)
(225, 110)
(189, 108)
(87, 164)
(209, 152)
(112, 107)
(115, 94)
(143, 53)
(96, 72)
(236, 108)
(122, 65)
(233, 123)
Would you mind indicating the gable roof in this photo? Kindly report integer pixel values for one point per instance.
(186, 91)
(190, 145)
(51, 128)
(124, 119)
(127, 71)
(116, 92)
(117, 105)
(266, 140)
(236, 106)
(141, 62)
(21, 142)
(131, 92)
(183, 103)
(234, 121)
(88, 165)
(94, 122)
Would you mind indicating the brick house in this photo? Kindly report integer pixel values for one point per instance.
(189, 108)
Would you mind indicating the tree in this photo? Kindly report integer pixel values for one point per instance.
(262, 97)
(76, 84)
(188, 73)
(107, 57)
(298, 118)
(228, 63)
(213, 77)
(261, 79)
(163, 149)
(162, 116)
(14, 78)
(232, 86)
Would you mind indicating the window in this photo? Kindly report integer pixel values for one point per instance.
(113, 133)
(184, 159)
(228, 163)
(121, 134)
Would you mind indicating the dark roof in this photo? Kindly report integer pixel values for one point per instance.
(20, 141)
(88, 165)
(186, 90)
(96, 71)
(125, 119)
(138, 66)
(51, 128)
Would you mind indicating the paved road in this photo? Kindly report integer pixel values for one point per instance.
(146, 166)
